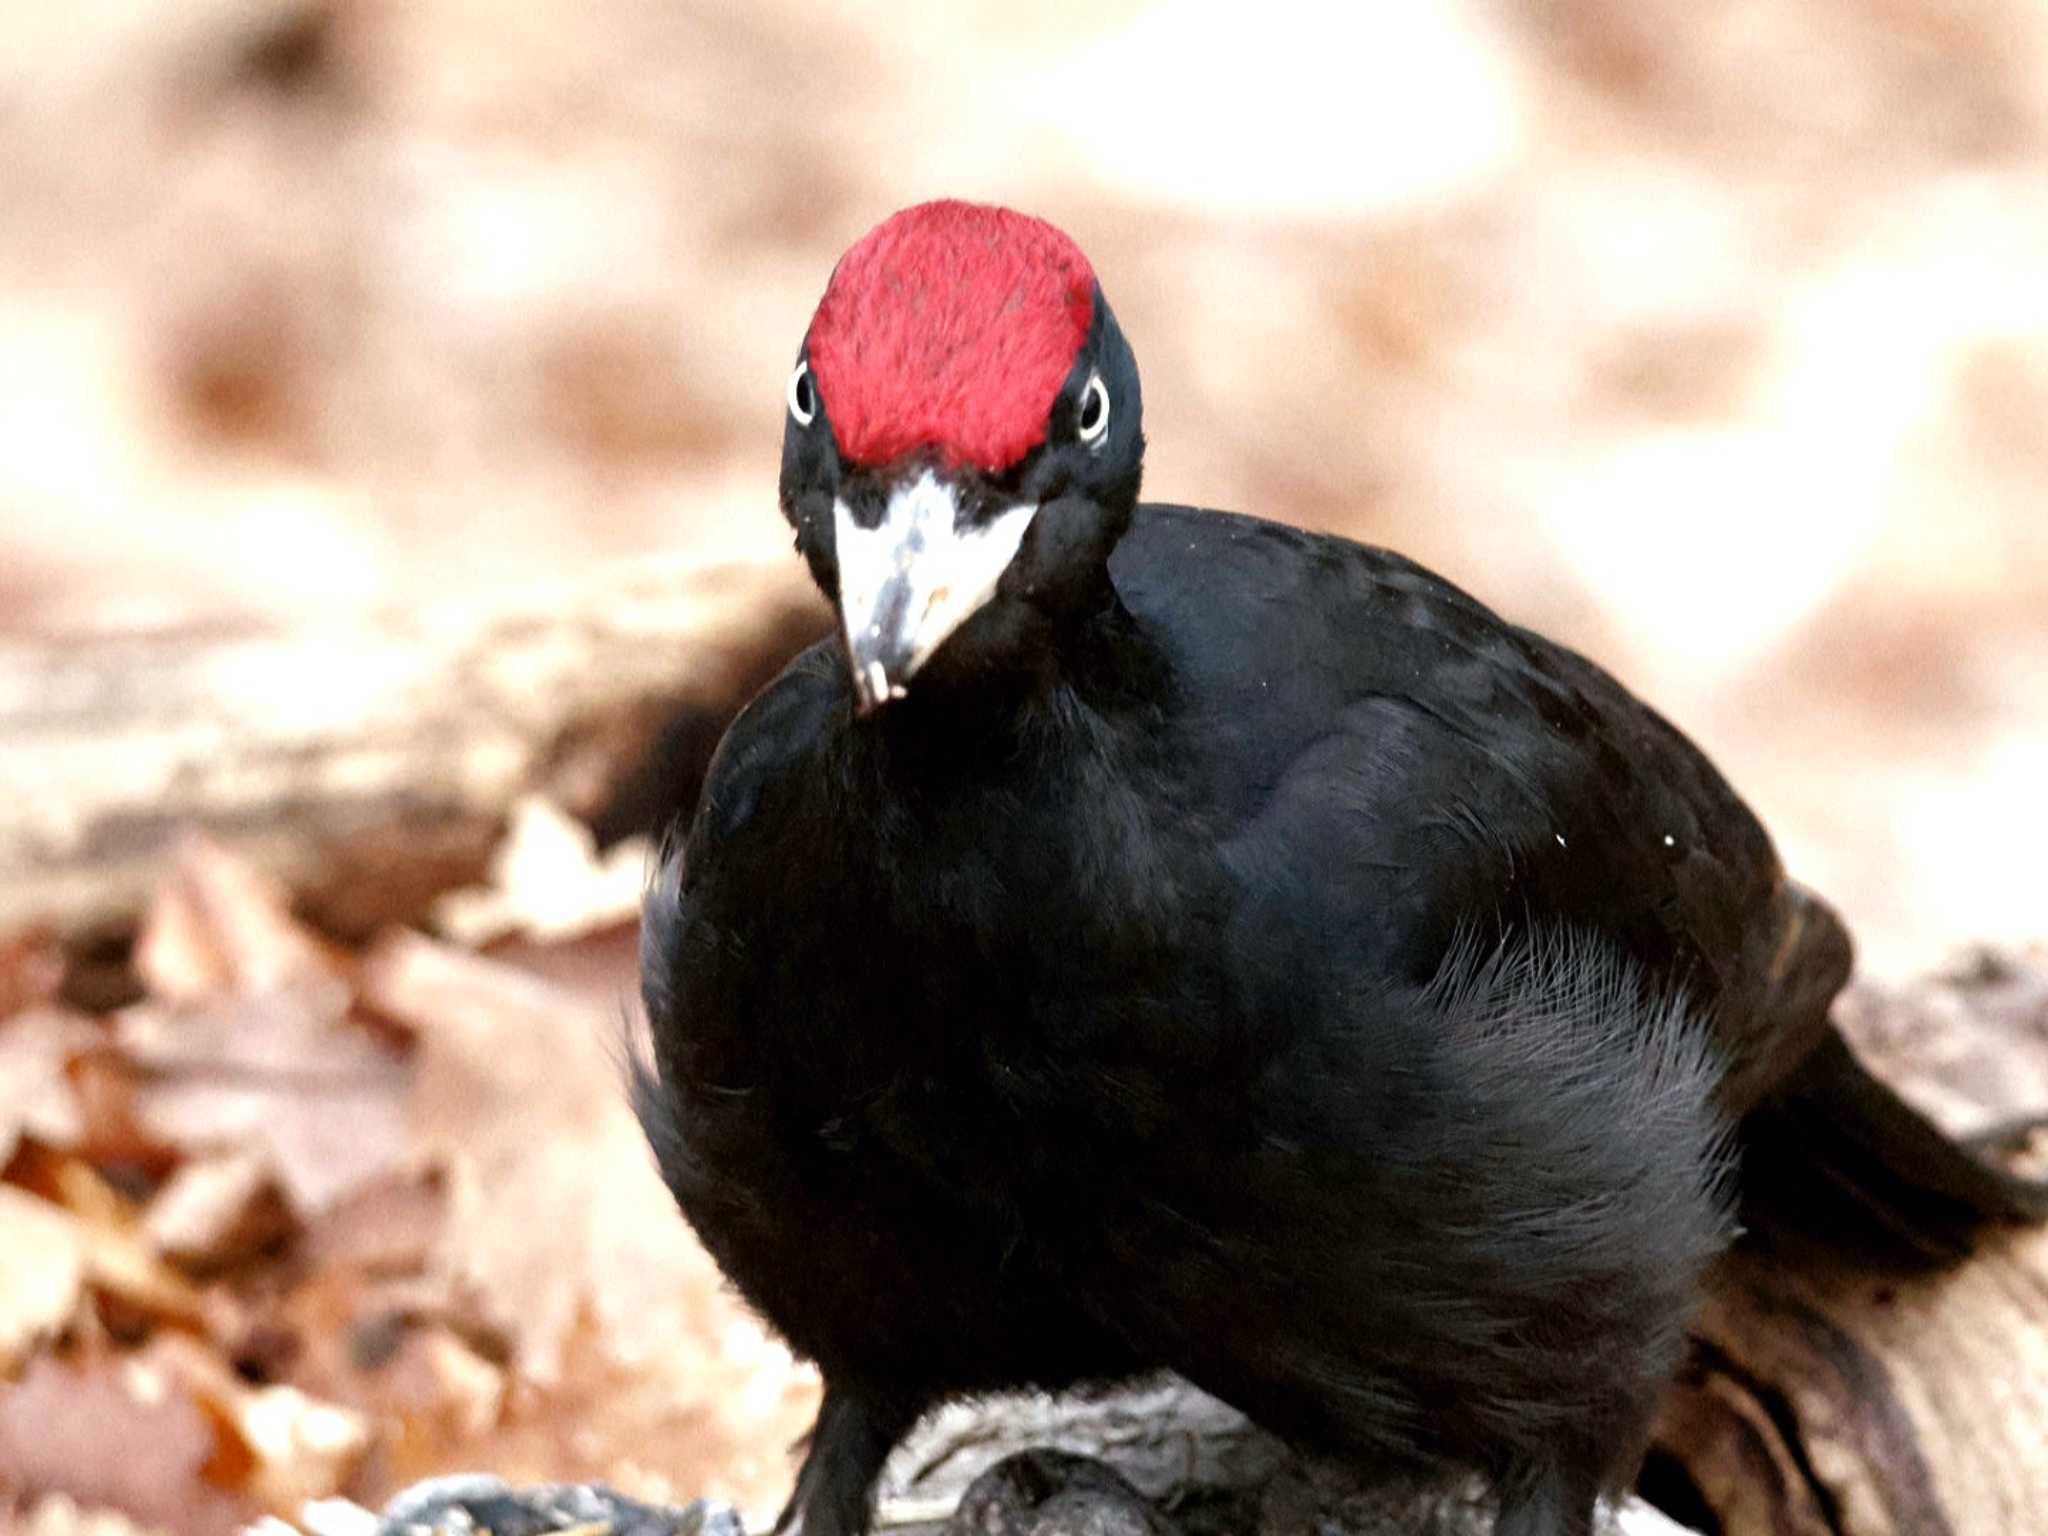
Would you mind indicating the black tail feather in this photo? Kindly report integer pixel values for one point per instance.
(1836, 1155)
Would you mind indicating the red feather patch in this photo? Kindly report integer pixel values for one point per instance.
(952, 326)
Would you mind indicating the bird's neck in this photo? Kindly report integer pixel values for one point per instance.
(1089, 663)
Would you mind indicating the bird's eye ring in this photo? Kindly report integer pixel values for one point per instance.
(803, 395)
(1093, 425)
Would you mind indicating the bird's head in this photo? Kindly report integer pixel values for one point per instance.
(963, 443)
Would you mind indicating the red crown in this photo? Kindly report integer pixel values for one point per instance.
(950, 325)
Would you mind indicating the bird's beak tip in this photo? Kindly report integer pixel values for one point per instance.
(909, 580)
(872, 685)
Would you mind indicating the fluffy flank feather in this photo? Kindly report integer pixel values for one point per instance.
(1598, 1176)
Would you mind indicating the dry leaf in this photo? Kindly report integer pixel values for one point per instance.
(334, 1517)
(285, 1072)
(74, 1184)
(548, 882)
(54, 1254)
(600, 969)
(37, 1050)
(130, 1280)
(114, 1433)
(42, 1272)
(298, 1448)
(445, 1394)
(31, 971)
(218, 1211)
(126, 1273)
(560, 1225)
(598, 1421)
(389, 1227)
(355, 1287)
(221, 925)
(58, 1515)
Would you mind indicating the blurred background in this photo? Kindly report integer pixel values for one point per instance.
(1710, 339)
(1713, 340)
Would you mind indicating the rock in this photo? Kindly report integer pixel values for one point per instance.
(1055, 1493)
(475, 1505)
(1037, 1492)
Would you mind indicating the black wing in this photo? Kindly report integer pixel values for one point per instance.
(1422, 766)
(1425, 765)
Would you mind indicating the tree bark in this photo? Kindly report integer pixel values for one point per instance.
(1834, 1400)
(367, 763)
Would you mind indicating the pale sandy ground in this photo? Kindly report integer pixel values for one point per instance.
(1713, 338)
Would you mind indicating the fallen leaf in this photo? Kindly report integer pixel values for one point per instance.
(58, 1514)
(112, 1432)
(42, 1272)
(134, 1283)
(601, 968)
(354, 1288)
(80, 1189)
(221, 925)
(444, 1394)
(103, 1082)
(31, 970)
(285, 1072)
(64, 1252)
(335, 1517)
(37, 1050)
(388, 1227)
(560, 1226)
(636, 1427)
(129, 1279)
(218, 1211)
(548, 882)
(275, 1445)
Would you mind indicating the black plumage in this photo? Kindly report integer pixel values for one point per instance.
(1240, 951)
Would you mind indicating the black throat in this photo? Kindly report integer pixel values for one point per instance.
(974, 706)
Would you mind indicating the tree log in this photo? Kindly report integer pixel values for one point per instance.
(368, 763)
(1831, 1399)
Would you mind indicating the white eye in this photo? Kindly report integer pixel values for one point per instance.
(1094, 422)
(803, 395)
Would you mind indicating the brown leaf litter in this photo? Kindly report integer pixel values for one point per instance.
(299, 1222)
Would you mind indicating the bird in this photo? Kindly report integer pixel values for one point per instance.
(1145, 938)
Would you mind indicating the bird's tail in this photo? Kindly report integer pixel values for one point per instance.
(1833, 1154)
(1836, 1155)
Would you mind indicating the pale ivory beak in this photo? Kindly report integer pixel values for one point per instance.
(914, 578)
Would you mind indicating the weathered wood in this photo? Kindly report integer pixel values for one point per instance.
(1832, 1400)
(1163, 1436)
(1153, 1461)
(369, 763)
